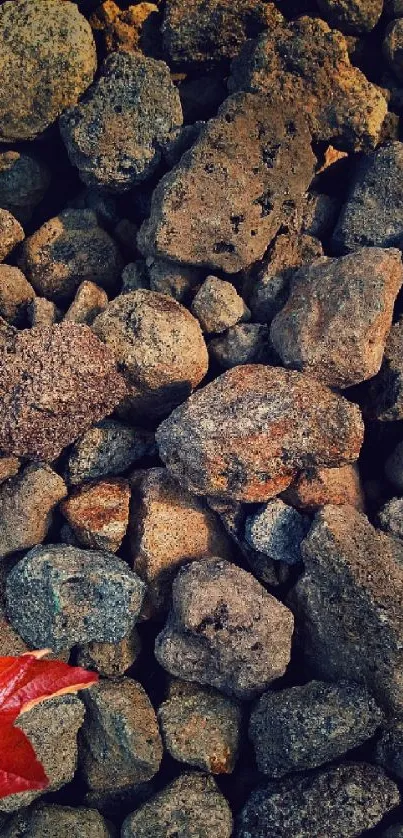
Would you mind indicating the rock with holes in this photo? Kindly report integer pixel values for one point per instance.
(98, 514)
(26, 504)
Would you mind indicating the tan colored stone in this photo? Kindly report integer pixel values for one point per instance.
(90, 300)
(42, 312)
(9, 466)
(26, 504)
(218, 306)
(317, 487)
(15, 295)
(111, 659)
(11, 232)
(131, 29)
(98, 514)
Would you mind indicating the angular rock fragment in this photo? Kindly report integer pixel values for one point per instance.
(111, 659)
(348, 603)
(190, 807)
(384, 399)
(64, 821)
(115, 135)
(277, 530)
(15, 295)
(159, 349)
(304, 727)
(225, 630)
(9, 466)
(98, 514)
(230, 193)
(26, 504)
(389, 749)
(135, 277)
(319, 213)
(107, 449)
(178, 281)
(336, 320)
(340, 802)
(352, 16)
(42, 312)
(390, 517)
(55, 381)
(120, 744)
(58, 596)
(246, 343)
(90, 300)
(317, 487)
(23, 183)
(247, 434)
(218, 306)
(11, 232)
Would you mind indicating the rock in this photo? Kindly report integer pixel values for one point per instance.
(304, 727)
(277, 530)
(319, 213)
(134, 29)
(9, 466)
(202, 728)
(98, 514)
(15, 295)
(178, 281)
(135, 277)
(56, 720)
(354, 16)
(24, 180)
(336, 320)
(392, 47)
(107, 449)
(48, 59)
(225, 630)
(390, 517)
(348, 603)
(11, 232)
(246, 343)
(90, 300)
(317, 487)
(68, 250)
(116, 134)
(168, 528)
(384, 397)
(111, 659)
(64, 821)
(103, 204)
(230, 193)
(190, 807)
(394, 466)
(389, 749)
(395, 831)
(371, 215)
(197, 31)
(159, 348)
(340, 802)
(26, 504)
(120, 744)
(247, 434)
(218, 306)
(58, 596)
(393, 8)
(42, 312)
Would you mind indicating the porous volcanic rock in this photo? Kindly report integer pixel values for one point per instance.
(106, 449)
(110, 659)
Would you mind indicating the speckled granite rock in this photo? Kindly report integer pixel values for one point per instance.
(107, 449)
(11, 232)
(390, 517)
(98, 514)
(64, 821)
(26, 504)
(277, 530)
(217, 305)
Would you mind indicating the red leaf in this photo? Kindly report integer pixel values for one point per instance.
(20, 769)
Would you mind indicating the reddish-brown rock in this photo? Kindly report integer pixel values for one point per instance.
(317, 487)
(98, 514)
(26, 504)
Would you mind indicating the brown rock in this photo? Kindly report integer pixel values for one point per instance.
(133, 29)
(15, 295)
(246, 343)
(384, 400)
(336, 320)
(111, 659)
(9, 466)
(99, 514)
(55, 382)
(23, 183)
(352, 15)
(217, 305)
(230, 193)
(178, 281)
(317, 487)
(64, 821)
(90, 300)
(11, 232)
(26, 504)
(159, 348)
(42, 312)
(245, 435)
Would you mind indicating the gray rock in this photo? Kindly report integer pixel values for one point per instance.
(389, 749)
(116, 133)
(26, 504)
(351, 16)
(190, 807)
(135, 276)
(395, 831)
(11, 232)
(218, 306)
(59, 595)
(225, 630)
(277, 530)
(24, 181)
(246, 343)
(384, 397)
(390, 517)
(339, 802)
(319, 214)
(43, 821)
(394, 466)
(107, 449)
(305, 727)
(178, 281)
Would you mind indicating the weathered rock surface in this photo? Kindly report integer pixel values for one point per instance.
(9, 466)
(64, 821)
(90, 300)
(59, 595)
(23, 183)
(42, 312)
(230, 193)
(159, 349)
(133, 29)
(16, 294)
(178, 281)
(26, 504)
(317, 487)
(98, 514)
(55, 382)
(392, 47)
(348, 603)
(389, 749)
(225, 630)
(338, 315)
(384, 399)
(390, 517)
(190, 807)
(352, 16)
(245, 435)
(217, 305)
(11, 232)
(107, 449)
(277, 530)
(47, 60)
(116, 134)
(111, 659)
(246, 343)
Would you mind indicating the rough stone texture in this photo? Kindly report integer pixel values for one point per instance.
(9, 466)
(304, 727)
(168, 528)
(55, 382)
(209, 32)
(394, 467)
(277, 530)
(394, 8)
(159, 349)
(42, 312)
(341, 802)
(26, 504)
(317, 487)
(98, 514)
(384, 399)
(47, 60)
(218, 306)
(390, 517)
(90, 300)
(352, 16)
(371, 214)
(246, 343)
(245, 435)
(62, 821)
(392, 47)
(11, 232)
(59, 595)
(389, 749)
(120, 744)
(15, 295)
(202, 728)
(320, 212)
(107, 449)
(178, 281)
(116, 134)
(23, 183)
(225, 630)
(133, 29)
(56, 720)
(66, 251)
(336, 320)
(135, 277)
(348, 603)
(111, 659)
(190, 807)
(230, 193)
